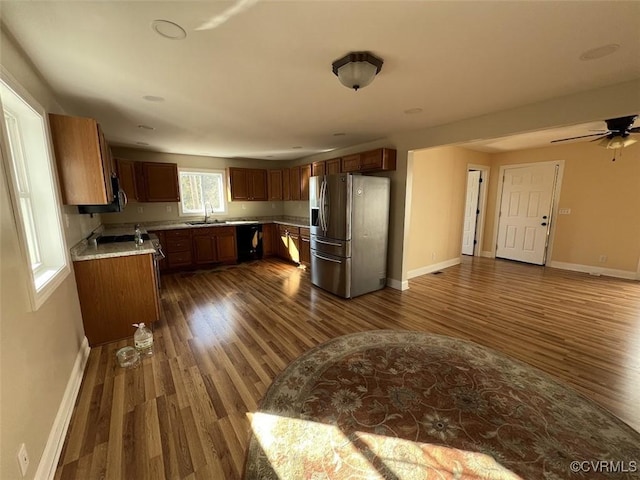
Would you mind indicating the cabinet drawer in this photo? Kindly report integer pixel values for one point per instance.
(204, 231)
(178, 244)
(305, 233)
(177, 233)
(224, 231)
(179, 259)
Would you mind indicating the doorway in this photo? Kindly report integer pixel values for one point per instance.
(525, 211)
(472, 230)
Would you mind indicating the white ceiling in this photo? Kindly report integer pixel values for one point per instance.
(260, 83)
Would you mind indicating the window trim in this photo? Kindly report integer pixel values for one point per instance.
(42, 281)
(219, 171)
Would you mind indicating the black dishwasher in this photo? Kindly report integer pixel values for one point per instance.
(249, 242)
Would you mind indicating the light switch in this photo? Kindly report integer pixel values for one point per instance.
(564, 211)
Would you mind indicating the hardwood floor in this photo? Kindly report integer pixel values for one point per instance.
(225, 335)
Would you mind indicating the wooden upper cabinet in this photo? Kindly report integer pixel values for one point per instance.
(275, 185)
(258, 184)
(127, 175)
(84, 160)
(305, 173)
(380, 159)
(157, 182)
(247, 184)
(286, 184)
(294, 182)
(318, 168)
(333, 166)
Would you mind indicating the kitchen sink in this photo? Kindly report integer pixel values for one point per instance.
(200, 222)
(240, 222)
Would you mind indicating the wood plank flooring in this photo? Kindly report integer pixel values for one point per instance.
(224, 335)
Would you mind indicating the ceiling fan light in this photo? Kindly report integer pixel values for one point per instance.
(616, 142)
(357, 69)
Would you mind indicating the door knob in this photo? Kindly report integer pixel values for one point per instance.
(544, 224)
(544, 217)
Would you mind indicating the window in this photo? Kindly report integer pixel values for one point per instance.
(202, 188)
(29, 166)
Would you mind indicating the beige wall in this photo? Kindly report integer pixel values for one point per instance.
(37, 349)
(437, 205)
(157, 211)
(604, 198)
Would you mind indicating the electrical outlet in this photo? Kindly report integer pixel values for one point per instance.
(66, 219)
(169, 208)
(564, 211)
(273, 205)
(602, 259)
(23, 459)
(140, 209)
(433, 255)
(244, 207)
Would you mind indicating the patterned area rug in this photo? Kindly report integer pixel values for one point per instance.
(408, 405)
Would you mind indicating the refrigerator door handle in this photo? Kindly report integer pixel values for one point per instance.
(321, 257)
(323, 189)
(324, 242)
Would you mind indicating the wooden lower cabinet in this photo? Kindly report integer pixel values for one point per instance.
(178, 248)
(289, 243)
(305, 246)
(114, 293)
(269, 240)
(186, 248)
(226, 245)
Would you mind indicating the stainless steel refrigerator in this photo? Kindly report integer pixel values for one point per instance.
(349, 229)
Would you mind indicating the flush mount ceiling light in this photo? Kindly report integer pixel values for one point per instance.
(168, 29)
(616, 142)
(357, 69)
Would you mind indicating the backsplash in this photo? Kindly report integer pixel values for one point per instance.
(168, 212)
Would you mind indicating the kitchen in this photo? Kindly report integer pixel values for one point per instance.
(117, 287)
(112, 61)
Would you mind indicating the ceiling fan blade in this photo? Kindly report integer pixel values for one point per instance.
(581, 136)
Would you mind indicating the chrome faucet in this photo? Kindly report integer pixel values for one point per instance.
(206, 213)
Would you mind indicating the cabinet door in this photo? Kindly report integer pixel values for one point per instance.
(283, 242)
(226, 245)
(318, 168)
(204, 249)
(275, 185)
(305, 246)
(161, 182)
(286, 184)
(239, 183)
(127, 176)
(84, 173)
(294, 173)
(380, 159)
(351, 163)
(294, 244)
(305, 173)
(333, 166)
(268, 240)
(258, 184)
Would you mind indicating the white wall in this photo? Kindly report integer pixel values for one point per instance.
(37, 349)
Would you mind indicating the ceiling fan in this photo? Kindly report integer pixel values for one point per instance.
(615, 136)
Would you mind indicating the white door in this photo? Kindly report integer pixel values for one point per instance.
(470, 212)
(525, 212)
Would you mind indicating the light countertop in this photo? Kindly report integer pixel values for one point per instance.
(83, 251)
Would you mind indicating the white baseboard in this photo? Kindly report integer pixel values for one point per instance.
(433, 268)
(397, 284)
(53, 448)
(487, 254)
(609, 272)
